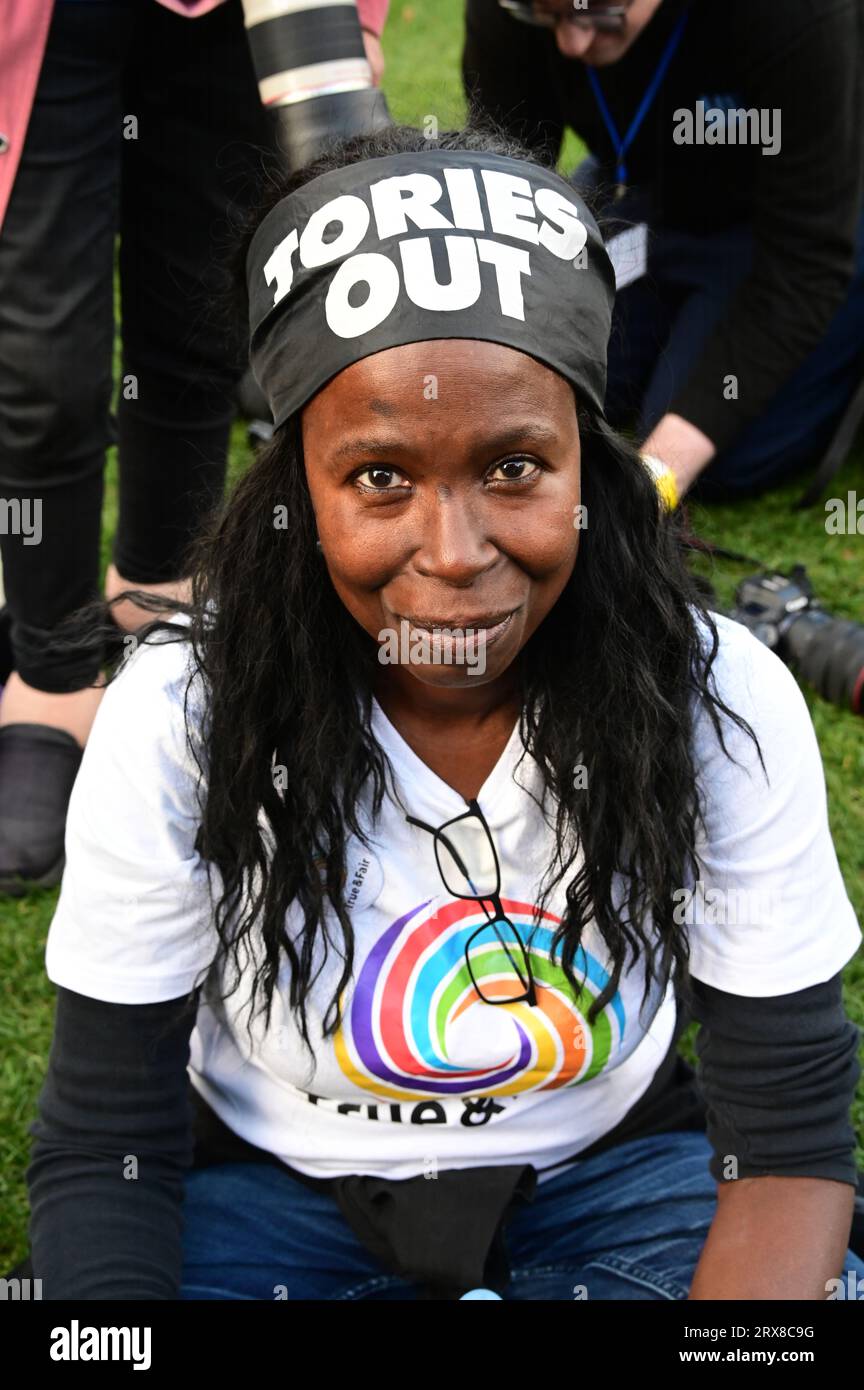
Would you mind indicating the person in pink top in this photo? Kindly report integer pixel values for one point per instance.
(127, 118)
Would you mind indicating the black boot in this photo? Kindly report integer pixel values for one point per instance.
(38, 766)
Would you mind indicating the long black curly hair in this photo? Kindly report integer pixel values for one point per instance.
(612, 680)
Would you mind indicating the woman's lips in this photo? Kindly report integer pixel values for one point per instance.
(481, 631)
(459, 624)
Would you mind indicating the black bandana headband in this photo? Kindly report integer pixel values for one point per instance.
(410, 247)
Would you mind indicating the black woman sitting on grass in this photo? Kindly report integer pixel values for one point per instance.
(408, 932)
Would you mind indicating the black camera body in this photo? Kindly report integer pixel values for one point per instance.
(828, 653)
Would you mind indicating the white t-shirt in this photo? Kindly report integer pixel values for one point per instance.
(422, 1073)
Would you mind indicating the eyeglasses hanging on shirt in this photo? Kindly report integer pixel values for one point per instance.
(469, 868)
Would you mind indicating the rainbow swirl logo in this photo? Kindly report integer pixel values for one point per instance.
(414, 1011)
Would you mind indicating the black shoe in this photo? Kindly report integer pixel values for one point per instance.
(38, 766)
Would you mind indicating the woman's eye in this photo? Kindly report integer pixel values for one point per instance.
(517, 470)
(382, 479)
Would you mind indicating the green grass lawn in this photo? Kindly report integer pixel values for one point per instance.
(422, 44)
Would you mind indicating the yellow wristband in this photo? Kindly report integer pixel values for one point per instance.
(664, 479)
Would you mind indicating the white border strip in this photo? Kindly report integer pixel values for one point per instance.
(318, 79)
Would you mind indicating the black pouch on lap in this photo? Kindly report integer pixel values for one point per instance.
(445, 1233)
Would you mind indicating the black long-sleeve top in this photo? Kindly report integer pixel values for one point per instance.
(118, 1124)
(803, 60)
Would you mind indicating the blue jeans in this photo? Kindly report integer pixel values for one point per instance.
(663, 320)
(627, 1224)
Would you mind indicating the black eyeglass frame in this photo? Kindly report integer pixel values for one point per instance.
(526, 977)
(605, 18)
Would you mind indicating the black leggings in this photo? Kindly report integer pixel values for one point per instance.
(148, 124)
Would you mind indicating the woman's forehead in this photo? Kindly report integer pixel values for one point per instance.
(464, 399)
(447, 371)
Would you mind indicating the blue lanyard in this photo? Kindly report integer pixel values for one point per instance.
(622, 146)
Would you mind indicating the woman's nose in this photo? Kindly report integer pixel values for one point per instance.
(454, 544)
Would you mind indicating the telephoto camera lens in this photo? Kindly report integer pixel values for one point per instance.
(313, 74)
(828, 654)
